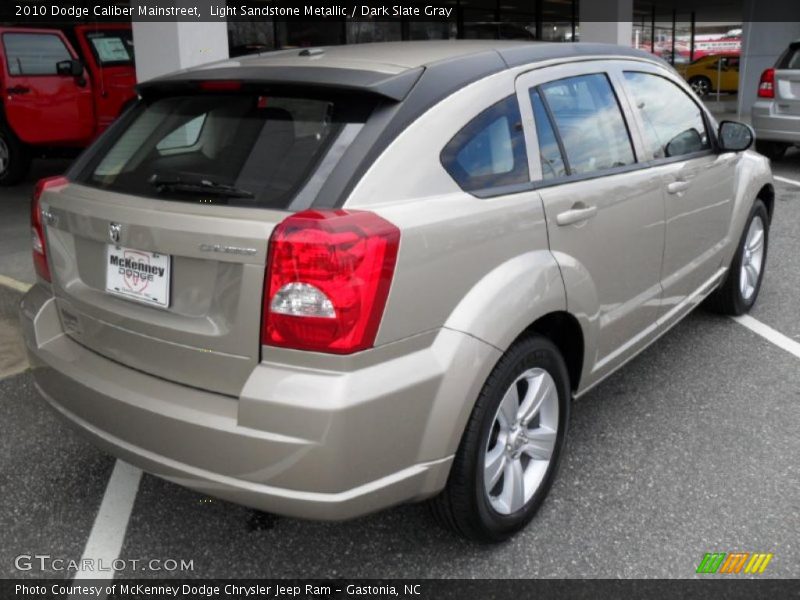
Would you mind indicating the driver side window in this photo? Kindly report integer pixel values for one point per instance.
(34, 53)
(673, 123)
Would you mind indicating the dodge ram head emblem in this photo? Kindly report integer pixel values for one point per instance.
(114, 230)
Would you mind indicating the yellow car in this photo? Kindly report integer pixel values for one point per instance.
(712, 73)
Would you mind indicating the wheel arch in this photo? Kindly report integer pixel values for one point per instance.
(564, 330)
(767, 195)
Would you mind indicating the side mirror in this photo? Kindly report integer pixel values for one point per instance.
(735, 137)
(70, 68)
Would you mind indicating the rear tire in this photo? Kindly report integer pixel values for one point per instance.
(15, 157)
(739, 292)
(772, 150)
(512, 451)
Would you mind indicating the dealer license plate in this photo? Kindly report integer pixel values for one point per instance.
(138, 275)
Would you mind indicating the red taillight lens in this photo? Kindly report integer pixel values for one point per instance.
(766, 87)
(37, 230)
(328, 277)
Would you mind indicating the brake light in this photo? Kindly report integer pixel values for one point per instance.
(328, 278)
(37, 229)
(766, 87)
(220, 86)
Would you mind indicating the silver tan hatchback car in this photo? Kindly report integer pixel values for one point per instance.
(328, 281)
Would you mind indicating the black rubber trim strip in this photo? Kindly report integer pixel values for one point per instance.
(531, 53)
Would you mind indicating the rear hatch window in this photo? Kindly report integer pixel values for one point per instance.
(251, 149)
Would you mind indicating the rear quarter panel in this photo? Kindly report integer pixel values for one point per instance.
(479, 266)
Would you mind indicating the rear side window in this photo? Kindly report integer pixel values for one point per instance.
(790, 58)
(489, 152)
(673, 123)
(588, 119)
(239, 149)
(34, 53)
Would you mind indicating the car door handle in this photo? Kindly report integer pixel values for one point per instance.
(576, 214)
(677, 187)
(17, 90)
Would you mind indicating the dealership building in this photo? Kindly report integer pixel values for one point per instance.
(678, 30)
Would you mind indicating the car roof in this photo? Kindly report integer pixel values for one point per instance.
(391, 69)
(412, 54)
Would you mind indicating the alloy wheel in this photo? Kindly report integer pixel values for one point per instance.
(752, 259)
(522, 441)
(700, 86)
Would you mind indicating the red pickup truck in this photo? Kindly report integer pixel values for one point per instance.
(60, 88)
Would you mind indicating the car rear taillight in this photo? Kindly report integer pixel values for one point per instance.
(37, 230)
(328, 278)
(766, 87)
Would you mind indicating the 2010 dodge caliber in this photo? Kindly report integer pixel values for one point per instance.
(327, 281)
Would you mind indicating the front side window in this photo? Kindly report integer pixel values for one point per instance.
(34, 53)
(240, 149)
(588, 119)
(731, 62)
(489, 152)
(673, 123)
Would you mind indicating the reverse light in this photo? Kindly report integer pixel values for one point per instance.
(328, 278)
(766, 86)
(37, 229)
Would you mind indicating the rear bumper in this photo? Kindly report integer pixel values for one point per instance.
(323, 443)
(772, 126)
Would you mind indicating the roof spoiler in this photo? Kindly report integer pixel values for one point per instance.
(390, 86)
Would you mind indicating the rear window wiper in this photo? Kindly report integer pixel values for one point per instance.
(199, 186)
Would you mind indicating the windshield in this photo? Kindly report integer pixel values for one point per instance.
(112, 47)
(240, 149)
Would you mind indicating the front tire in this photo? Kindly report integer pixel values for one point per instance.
(512, 445)
(15, 158)
(739, 291)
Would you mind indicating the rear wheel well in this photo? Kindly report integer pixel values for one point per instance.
(565, 332)
(767, 195)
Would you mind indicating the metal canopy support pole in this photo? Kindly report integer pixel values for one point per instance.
(674, 34)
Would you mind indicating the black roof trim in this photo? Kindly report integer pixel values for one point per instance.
(391, 86)
(525, 54)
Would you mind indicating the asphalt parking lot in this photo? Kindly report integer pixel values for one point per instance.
(692, 448)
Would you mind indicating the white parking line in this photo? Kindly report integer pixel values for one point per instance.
(769, 334)
(108, 532)
(14, 284)
(786, 180)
